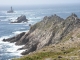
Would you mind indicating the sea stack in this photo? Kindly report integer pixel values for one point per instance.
(10, 11)
(21, 19)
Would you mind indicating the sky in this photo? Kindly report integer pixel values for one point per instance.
(37, 2)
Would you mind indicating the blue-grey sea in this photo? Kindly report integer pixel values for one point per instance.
(34, 15)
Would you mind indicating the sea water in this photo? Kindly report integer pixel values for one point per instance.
(7, 29)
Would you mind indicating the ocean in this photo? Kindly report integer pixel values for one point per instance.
(34, 15)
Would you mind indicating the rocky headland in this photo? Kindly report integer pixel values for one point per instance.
(51, 31)
(20, 19)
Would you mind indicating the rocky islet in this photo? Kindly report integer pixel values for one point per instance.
(21, 19)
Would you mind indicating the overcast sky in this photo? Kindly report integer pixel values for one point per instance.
(37, 2)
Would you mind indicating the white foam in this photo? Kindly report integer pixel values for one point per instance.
(18, 32)
(13, 49)
(5, 43)
(18, 52)
(12, 20)
(4, 37)
(19, 23)
(22, 28)
(30, 21)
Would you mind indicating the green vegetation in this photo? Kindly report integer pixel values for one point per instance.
(67, 37)
(41, 56)
(47, 26)
(78, 35)
(37, 25)
(44, 55)
(69, 50)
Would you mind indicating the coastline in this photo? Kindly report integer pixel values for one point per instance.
(38, 31)
(34, 16)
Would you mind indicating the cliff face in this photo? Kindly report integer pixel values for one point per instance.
(51, 30)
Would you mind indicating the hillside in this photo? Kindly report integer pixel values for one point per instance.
(52, 38)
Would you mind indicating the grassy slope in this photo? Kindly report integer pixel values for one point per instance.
(67, 49)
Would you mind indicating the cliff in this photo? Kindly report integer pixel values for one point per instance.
(51, 30)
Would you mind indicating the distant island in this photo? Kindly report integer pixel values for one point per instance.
(10, 11)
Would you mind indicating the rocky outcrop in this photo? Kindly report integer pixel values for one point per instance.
(15, 38)
(51, 30)
(20, 19)
(70, 23)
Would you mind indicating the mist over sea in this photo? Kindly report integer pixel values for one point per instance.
(34, 15)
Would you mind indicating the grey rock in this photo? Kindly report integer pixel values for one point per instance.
(20, 19)
(15, 38)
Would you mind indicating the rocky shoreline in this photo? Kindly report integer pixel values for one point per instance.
(51, 30)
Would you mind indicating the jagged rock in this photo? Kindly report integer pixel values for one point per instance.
(20, 19)
(51, 30)
(15, 38)
(74, 15)
(30, 48)
(69, 24)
